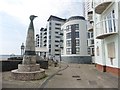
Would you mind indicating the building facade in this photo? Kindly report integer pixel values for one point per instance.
(107, 35)
(90, 23)
(41, 43)
(54, 29)
(74, 39)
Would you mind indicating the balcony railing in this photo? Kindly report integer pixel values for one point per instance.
(106, 28)
(91, 42)
(101, 5)
(90, 15)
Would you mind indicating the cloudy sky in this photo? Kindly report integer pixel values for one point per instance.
(14, 19)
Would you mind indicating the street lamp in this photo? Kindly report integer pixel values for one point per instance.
(22, 49)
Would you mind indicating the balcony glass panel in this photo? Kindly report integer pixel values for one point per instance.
(106, 28)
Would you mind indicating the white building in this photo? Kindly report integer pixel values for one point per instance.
(41, 43)
(107, 35)
(89, 17)
(54, 30)
(74, 38)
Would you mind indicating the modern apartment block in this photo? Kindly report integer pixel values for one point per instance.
(107, 35)
(75, 40)
(41, 42)
(90, 23)
(54, 29)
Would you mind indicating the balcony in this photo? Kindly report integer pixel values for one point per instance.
(90, 27)
(102, 5)
(90, 15)
(91, 42)
(104, 28)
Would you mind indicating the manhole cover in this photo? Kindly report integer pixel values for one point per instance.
(76, 76)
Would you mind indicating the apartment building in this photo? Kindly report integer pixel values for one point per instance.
(107, 35)
(41, 43)
(75, 40)
(54, 30)
(90, 23)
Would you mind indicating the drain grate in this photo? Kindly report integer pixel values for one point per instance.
(79, 79)
(76, 76)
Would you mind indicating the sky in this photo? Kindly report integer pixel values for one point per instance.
(14, 19)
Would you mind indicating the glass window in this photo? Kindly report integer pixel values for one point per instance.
(68, 35)
(68, 42)
(91, 34)
(49, 28)
(113, 15)
(88, 35)
(58, 24)
(68, 50)
(57, 28)
(77, 34)
(77, 49)
(109, 22)
(77, 42)
(92, 41)
(76, 26)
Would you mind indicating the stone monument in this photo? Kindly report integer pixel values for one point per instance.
(29, 70)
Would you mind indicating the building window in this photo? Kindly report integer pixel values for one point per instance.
(49, 23)
(110, 22)
(77, 42)
(97, 51)
(56, 49)
(68, 42)
(111, 50)
(58, 24)
(77, 49)
(68, 50)
(88, 34)
(57, 37)
(57, 28)
(91, 34)
(68, 35)
(77, 34)
(56, 32)
(89, 51)
(49, 28)
(76, 26)
(56, 41)
(92, 41)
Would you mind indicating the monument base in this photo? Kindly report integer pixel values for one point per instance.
(28, 72)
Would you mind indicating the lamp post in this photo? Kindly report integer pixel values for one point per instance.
(22, 49)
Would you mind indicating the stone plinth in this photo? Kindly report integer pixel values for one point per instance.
(28, 68)
(28, 72)
(27, 76)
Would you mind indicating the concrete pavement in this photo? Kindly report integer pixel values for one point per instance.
(74, 76)
(82, 76)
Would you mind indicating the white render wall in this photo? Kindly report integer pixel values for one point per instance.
(82, 33)
(103, 59)
(119, 34)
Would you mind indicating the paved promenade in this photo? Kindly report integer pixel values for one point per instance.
(69, 76)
